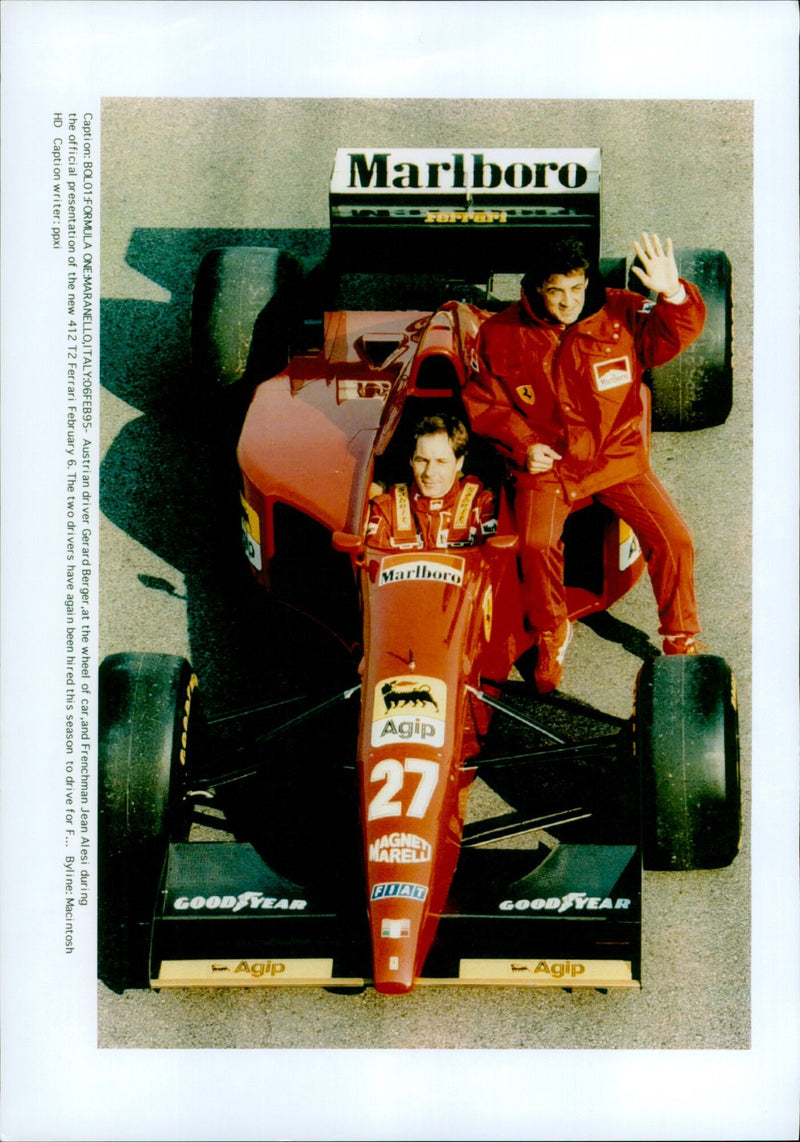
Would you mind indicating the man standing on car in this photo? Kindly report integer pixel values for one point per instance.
(557, 388)
(440, 509)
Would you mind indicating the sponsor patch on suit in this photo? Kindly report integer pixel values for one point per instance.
(612, 374)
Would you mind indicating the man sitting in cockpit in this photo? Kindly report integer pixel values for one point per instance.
(440, 508)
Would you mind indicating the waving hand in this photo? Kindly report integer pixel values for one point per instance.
(660, 272)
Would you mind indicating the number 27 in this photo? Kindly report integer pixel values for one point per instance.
(393, 774)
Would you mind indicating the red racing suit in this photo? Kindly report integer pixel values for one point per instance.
(578, 389)
(402, 519)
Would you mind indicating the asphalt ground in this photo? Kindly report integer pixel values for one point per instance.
(180, 177)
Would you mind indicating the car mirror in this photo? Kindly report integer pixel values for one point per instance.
(346, 541)
(503, 542)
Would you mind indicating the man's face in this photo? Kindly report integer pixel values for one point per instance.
(435, 466)
(564, 296)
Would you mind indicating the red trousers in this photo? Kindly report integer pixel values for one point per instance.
(541, 509)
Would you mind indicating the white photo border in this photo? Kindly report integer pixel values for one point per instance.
(55, 1082)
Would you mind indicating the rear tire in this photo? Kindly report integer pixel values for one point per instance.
(695, 390)
(242, 315)
(686, 738)
(145, 707)
(613, 271)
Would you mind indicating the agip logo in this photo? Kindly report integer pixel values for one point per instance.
(409, 708)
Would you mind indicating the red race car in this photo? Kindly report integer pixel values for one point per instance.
(352, 852)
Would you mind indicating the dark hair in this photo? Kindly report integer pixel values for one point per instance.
(450, 425)
(564, 256)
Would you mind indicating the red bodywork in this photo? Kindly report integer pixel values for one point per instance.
(439, 628)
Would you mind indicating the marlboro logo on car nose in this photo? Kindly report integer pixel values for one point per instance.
(427, 568)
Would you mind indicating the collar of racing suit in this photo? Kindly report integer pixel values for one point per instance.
(427, 505)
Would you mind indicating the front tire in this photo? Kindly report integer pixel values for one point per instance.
(143, 744)
(687, 742)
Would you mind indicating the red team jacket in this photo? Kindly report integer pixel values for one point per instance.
(577, 387)
(404, 520)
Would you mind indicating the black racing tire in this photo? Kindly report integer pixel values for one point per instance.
(243, 313)
(695, 390)
(613, 272)
(687, 740)
(143, 749)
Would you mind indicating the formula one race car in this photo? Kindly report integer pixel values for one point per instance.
(352, 853)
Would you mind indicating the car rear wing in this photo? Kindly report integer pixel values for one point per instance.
(467, 211)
